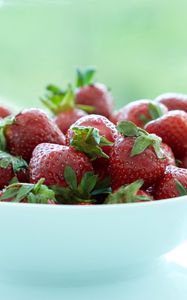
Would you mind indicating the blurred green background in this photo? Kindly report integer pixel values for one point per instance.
(138, 46)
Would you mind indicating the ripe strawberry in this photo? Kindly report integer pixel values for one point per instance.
(173, 101)
(172, 184)
(140, 112)
(129, 194)
(172, 128)
(105, 128)
(93, 94)
(62, 105)
(136, 155)
(28, 129)
(28, 193)
(94, 135)
(4, 112)
(11, 167)
(67, 171)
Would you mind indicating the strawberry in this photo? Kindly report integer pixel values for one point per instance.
(4, 112)
(136, 155)
(105, 128)
(93, 94)
(62, 105)
(20, 135)
(28, 193)
(11, 167)
(172, 128)
(67, 171)
(140, 112)
(94, 135)
(129, 194)
(172, 184)
(173, 101)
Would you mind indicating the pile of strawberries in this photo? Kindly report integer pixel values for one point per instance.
(86, 154)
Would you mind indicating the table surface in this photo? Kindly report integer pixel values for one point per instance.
(168, 281)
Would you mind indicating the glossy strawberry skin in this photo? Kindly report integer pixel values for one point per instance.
(31, 127)
(65, 119)
(134, 111)
(125, 169)
(172, 128)
(98, 96)
(173, 101)
(49, 161)
(4, 112)
(166, 186)
(105, 127)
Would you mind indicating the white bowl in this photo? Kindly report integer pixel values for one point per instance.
(81, 244)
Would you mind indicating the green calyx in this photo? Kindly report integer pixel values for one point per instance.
(3, 124)
(75, 193)
(155, 111)
(57, 100)
(143, 138)
(17, 163)
(85, 77)
(89, 141)
(31, 193)
(127, 194)
(180, 188)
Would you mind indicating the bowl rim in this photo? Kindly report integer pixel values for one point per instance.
(72, 207)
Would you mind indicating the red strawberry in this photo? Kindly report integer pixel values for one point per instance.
(94, 136)
(136, 155)
(106, 129)
(62, 105)
(173, 101)
(28, 129)
(93, 94)
(11, 167)
(140, 112)
(129, 194)
(68, 172)
(28, 193)
(172, 128)
(4, 112)
(172, 184)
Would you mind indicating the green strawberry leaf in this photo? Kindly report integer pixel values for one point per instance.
(143, 138)
(180, 188)
(89, 141)
(127, 128)
(58, 101)
(141, 143)
(155, 110)
(87, 184)
(55, 90)
(144, 119)
(85, 77)
(3, 124)
(127, 194)
(86, 108)
(17, 163)
(32, 193)
(70, 177)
